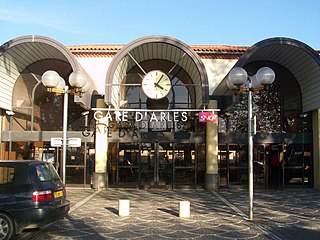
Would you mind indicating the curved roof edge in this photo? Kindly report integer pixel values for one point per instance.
(278, 41)
(42, 39)
(298, 58)
(160, 39)
(70, 58)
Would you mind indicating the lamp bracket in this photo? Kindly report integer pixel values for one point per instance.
(62, 91)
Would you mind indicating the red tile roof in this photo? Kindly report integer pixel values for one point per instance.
(96, 48)
(95, 51)
(204, 51)
(219, 51)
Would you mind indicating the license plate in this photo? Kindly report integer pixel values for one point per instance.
(58, 194)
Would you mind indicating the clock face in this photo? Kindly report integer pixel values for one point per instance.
(156, 84)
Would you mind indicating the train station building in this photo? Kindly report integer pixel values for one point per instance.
(158, 113)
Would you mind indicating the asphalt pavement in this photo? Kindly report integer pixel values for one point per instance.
(154, 214)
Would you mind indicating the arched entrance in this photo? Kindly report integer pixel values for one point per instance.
(283, 151)
(161, 147)
(32, 115)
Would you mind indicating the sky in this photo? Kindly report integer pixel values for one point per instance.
(194, 22)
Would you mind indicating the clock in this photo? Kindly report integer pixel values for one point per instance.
(156, 84)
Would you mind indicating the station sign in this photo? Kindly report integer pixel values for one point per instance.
(71, 142)
(169, 115)
(56, 142)
(74, 142)
(208, 117)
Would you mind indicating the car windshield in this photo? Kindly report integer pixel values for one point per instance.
(46, 172)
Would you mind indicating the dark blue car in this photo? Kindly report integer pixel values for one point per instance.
(31, 194)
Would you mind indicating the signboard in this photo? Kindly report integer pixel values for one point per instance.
(71, 142)
(154, 115)
(56, 142)
(74, 142)
(208, 117)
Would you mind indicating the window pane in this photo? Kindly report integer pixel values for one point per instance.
(6, 175)
(46, 172)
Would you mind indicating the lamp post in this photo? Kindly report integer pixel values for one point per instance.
(55, 83)
(238, 80)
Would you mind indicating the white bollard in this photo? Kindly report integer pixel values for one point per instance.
(124, 207)
(184, 209)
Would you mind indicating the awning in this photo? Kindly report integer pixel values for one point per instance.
(28, 57)
(301, 62)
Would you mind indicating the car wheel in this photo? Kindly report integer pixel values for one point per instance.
(6, 227)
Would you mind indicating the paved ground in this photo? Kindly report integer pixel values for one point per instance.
(286, 214)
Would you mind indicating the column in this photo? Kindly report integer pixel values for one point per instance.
(212, 174)
(316, 147)
(100, 176)
(2, 145)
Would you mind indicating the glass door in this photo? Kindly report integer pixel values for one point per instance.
(155, 165)
(184, 165)
(298, 167)
(259, 166)
(274, 166)
(128, 165)
(233, 165)
(223, 166)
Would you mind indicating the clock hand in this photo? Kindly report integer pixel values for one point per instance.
(157, 85)
(160, 78)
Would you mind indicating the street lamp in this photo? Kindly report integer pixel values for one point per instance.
(238, 80)
(52, 80)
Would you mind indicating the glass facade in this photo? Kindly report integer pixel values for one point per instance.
(155, 149)
(159, 154)
(168, 149)
(282, 146)
(156, 165)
